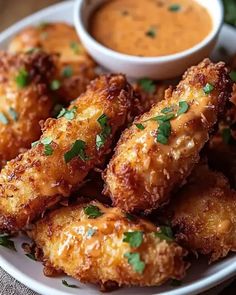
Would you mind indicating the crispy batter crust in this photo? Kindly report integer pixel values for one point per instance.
(204, 214)
(143, 173)
(31, 103)
(34, 181)
(58, 38)
(92, 250)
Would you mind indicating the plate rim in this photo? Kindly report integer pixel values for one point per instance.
(200, 285)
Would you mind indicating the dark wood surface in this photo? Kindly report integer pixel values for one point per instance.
(12, 11)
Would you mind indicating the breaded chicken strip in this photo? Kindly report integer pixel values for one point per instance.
(24, 100)
(156, 154)
(74, 67)
(68, 149)
(101, 245)
(204, 214)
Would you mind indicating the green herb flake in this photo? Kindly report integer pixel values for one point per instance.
(163, 118)
(91, 232)
(176, 283)
(165, 233)
(226, 135)
(67, 72)
(147, 85)
(75, 47)
(92, 211)
(183, 108)
(31, 256)
(134, 238)
(140, 126)
(3, 119)
(208, 88)
(162, 139)
(106, 131)
(167, 110)
(135, 261)
(48, 150)
(55, 85)
(233, 76)
(174, 7)
(13, 114)
(151, 33)
(77, 150)
(69, 114)
(22, 78)
(64, 282)
(6, 242)
(164, 131)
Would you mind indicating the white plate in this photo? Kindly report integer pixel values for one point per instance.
(200, 276)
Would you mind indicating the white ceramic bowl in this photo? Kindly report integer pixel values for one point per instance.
(163, 67)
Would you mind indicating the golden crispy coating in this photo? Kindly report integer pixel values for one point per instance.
(74, 67)
(204, 214)
(93, 251)
(143, 172)
(68, 149)
(24, 100)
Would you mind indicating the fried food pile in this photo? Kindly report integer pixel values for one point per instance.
(72, 177)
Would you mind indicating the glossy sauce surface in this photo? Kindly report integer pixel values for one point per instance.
(150, 27)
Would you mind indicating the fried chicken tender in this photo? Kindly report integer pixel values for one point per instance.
(204, 214)
(67, 150)
(143, 172)
(75, 68)
(92, 236)
(25, 99)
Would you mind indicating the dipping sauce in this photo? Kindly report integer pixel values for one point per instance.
(150, 27)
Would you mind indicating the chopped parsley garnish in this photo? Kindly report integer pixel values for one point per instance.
(92, 211)
(164, 131)
(174, 7)
(183, 108)
(77, 149)
(14, 115)
(22, 79)
(31, 256)
(48, 150)
(64, 282)
(176, 283)
(135, 261)
(233, 76)
(6, 242)
(147, 85)
(3, 119)
(151, 33)
(67, 72)
(226, 135)
(55, 85)
(91, 231)
(106, 131)
(167, 110)
(165, 233)
(75, 47)
(134, 238)
(163, 118)
(208, 88)
(140, 126)
(69, 114)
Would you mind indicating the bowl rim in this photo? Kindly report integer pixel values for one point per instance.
(82, 31)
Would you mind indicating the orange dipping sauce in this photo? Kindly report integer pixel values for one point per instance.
(150, 27)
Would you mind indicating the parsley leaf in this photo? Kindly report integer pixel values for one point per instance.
(140, 126)
(134, 260)
(163, 118)
(147, 85)
(233, 76)
(92, 211)
(64, 282)
(75, 47)
(165, 233)
(67, 72)
(14, 115)
(31, 256)
(208, 88)
(167, 110)
(6, 242)
(106, 131)
(77, 149)
(134, 238)
(55, 85)
(69, 114)
(48, 150)
(183, 108)
(22, 79)
(151, 33)
(164, 131)
(3, 119)
(174, 7)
